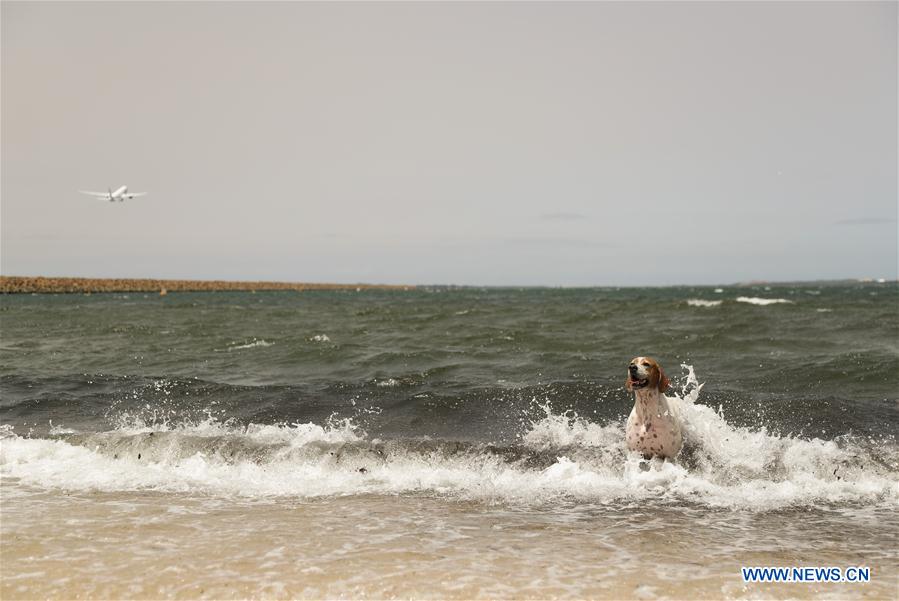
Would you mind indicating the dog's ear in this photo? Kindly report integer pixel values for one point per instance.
(627, 384)
(664, 382)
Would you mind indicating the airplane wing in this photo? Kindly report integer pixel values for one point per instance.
(134, 194)
(97, 194)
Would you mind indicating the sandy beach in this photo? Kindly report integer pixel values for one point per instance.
(89, 545)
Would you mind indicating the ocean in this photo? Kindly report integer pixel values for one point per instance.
(445, 442)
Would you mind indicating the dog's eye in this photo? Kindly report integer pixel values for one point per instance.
(646, 365)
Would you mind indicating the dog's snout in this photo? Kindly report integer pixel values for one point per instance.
(632, 368)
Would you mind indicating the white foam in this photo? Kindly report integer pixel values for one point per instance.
(698, 302)
(58, 430)
(754, 300)
(558, 456)
(320, 338)
(567, 429)
(731, 480)
(254, 344)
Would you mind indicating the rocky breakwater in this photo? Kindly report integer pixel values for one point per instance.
(39, 285)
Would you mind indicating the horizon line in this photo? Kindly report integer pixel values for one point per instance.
(17, 284)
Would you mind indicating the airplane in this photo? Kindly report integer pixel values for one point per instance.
(120, 194)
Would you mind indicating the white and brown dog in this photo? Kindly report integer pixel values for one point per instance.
(654, 426)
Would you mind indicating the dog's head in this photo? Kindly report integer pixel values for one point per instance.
(645, 372)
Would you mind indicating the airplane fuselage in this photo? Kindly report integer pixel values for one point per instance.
(120, 194)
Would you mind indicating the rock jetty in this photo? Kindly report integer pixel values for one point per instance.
(28, 285)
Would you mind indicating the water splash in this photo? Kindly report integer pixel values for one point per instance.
(558, 456)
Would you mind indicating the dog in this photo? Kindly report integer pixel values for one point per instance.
(654, 427)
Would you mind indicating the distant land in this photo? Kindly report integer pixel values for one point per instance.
(38, 284)
(61, 285)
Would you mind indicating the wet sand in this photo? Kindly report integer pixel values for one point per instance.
(159, 545)
(29, 285)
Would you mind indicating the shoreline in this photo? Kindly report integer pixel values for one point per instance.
(169, 545)
(52, 285)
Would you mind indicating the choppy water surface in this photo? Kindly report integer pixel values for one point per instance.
(445, 442)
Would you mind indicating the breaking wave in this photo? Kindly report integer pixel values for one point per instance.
(254, 344)
(698, 302)
(556, 456)
(754, 300)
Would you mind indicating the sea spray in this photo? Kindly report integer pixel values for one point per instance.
(561, 455)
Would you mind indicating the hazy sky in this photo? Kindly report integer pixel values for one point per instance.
(467, 143)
